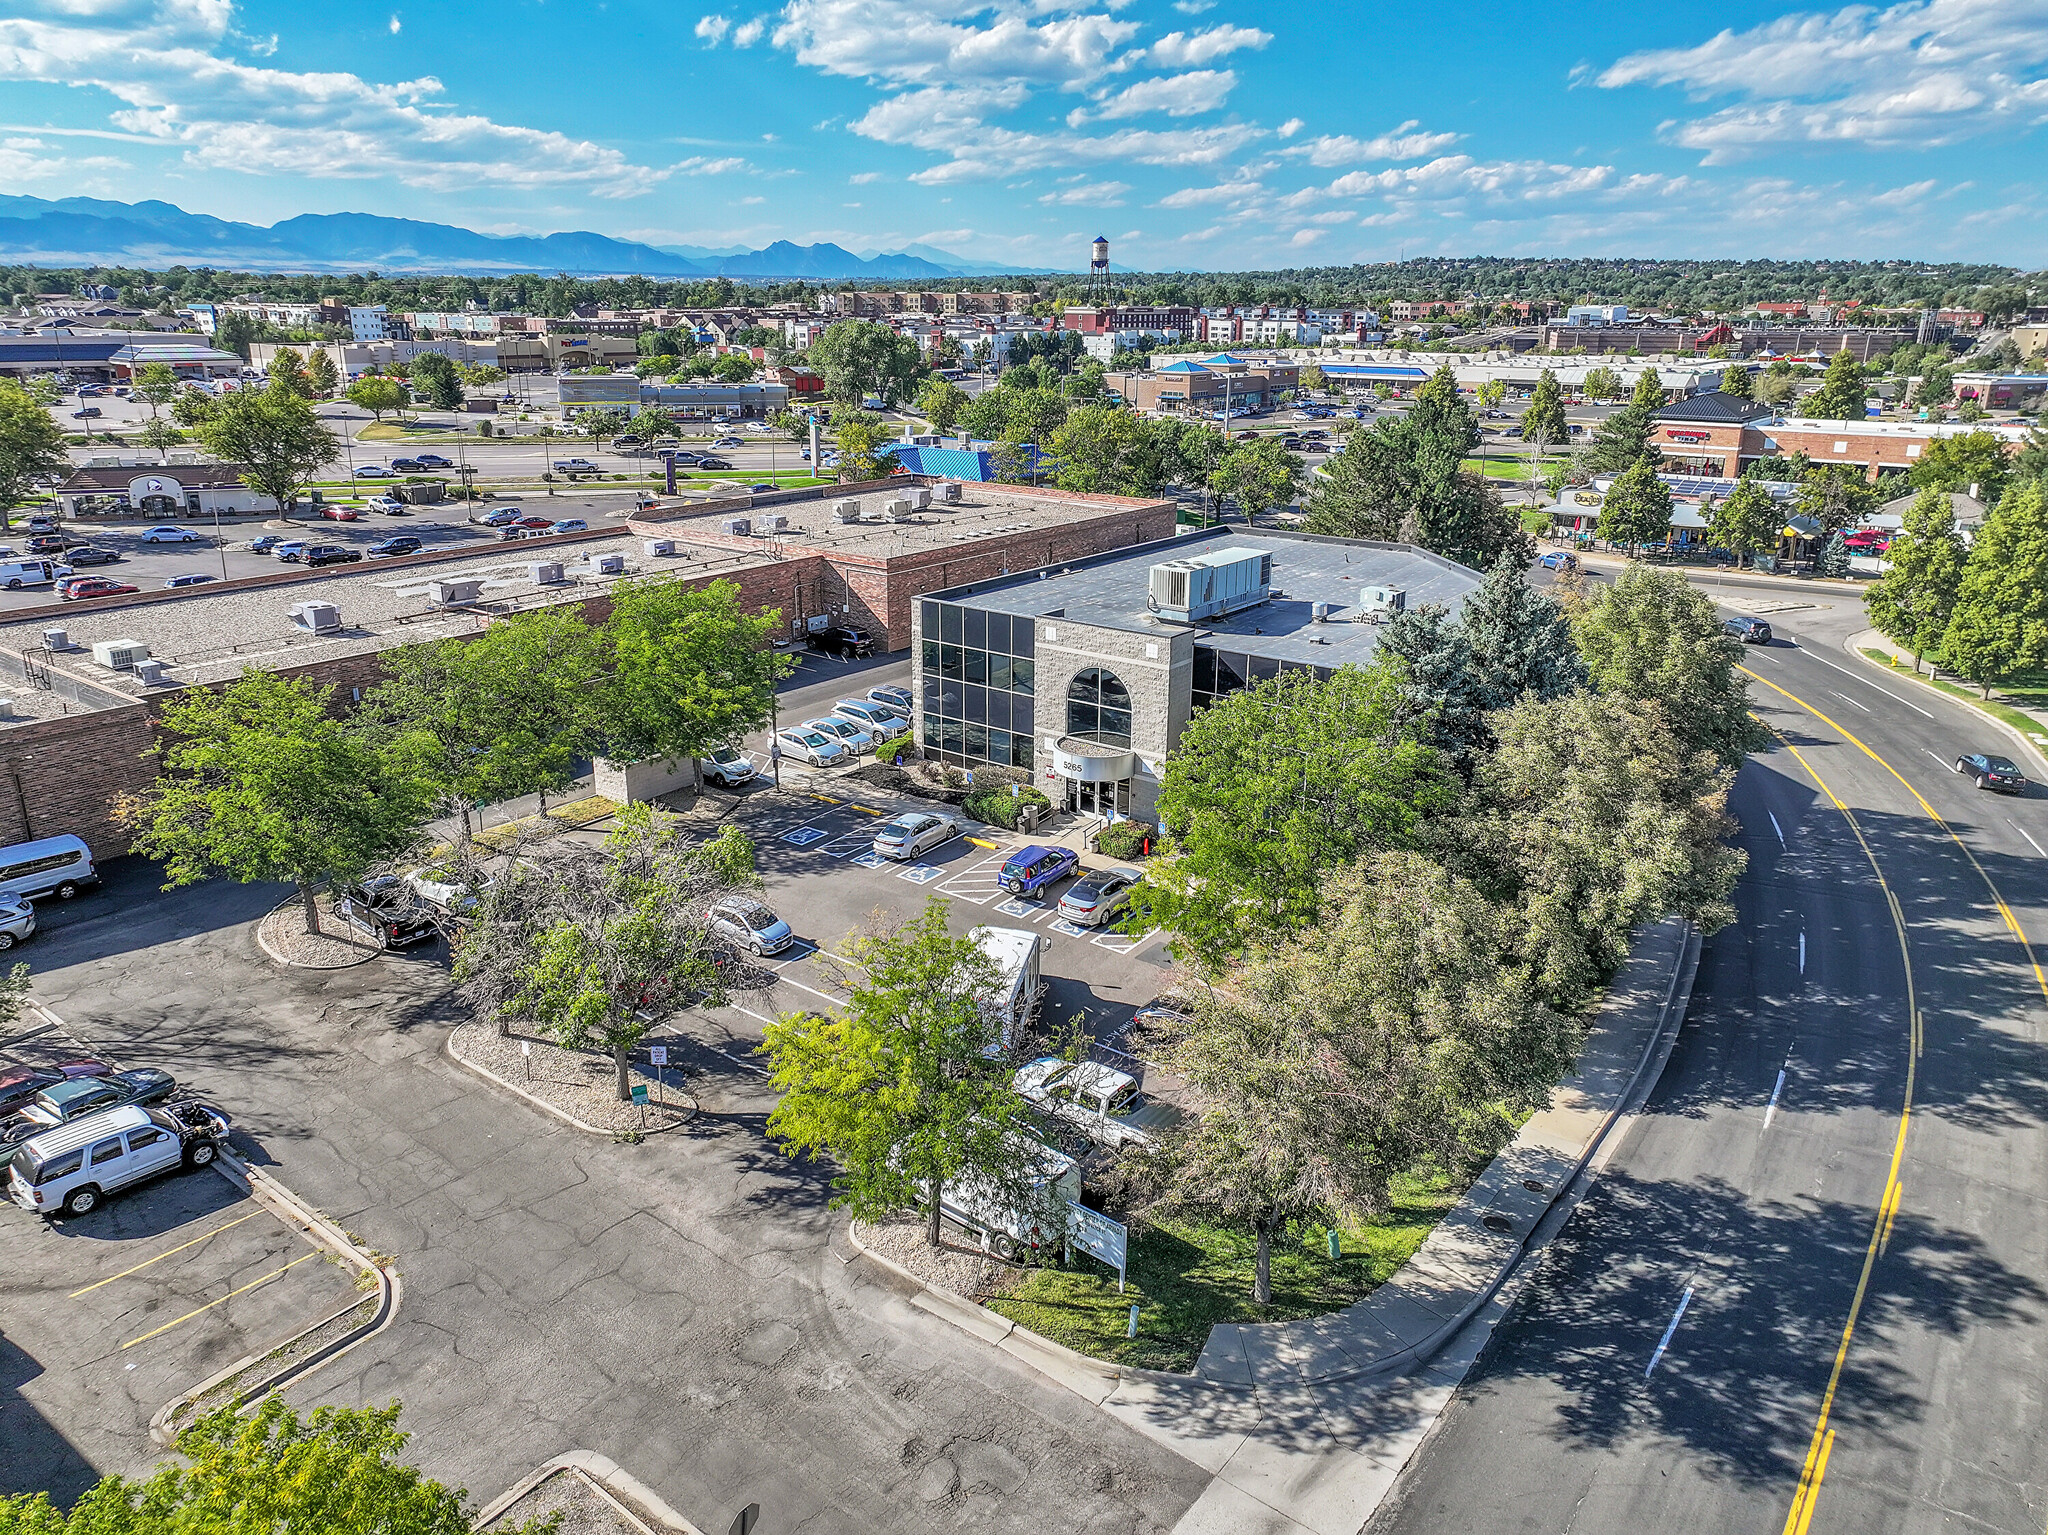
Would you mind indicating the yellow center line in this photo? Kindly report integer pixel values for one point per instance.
(252, 1284)
(161, 1256)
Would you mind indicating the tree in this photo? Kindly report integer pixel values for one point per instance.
(1271, 788)
(1832, 562)
(159, 434)
(1544, 420)
(1773, 389)
(1937, 385)
(859, 359)
(1746, 520)
(434, 376)
(860, 445)
(336, 1472)
(734, 368)
(1370, 1043)
(941, 400)
(260, 782)
(1624, 437)
(1651, 636)
(192, 406)
(2000, 624)
(156, 385)
(1964, 461)
(1428, 651)
(1521, 642)
(287, 372)
(689, 670)
(376, 395)
(1105, 449)
(1311, 378)
(276, 435)
(1637, 510)
(321, 376)
(1842, 391)
(1602, 384)
(1911, 603)
(597, 944)
(31, 450)
(907, 1091)
(1836, 496)
(1736, 381)
(1258, 476)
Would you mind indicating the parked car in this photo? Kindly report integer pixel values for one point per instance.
(41, 523)
(497, 517)
(1751, 631)
(574, 466)
(94, 586)
(62, 1102)
(15, 574)
(86, 414)
(1558, 559)
(727, 442)
(340, 514)
(878, 720)
(750, 925)
(266, 544)
(1101, 1102)
(896, 698)
(74, 1167)
(1099, 896)
(390, 506)
(1999, 773)
(433, 461)
(61, 866)
(759, 489)
(1035, 869)
(812, 746)
(190, 578)
(909, 836)
(840, 640)
(682, 458)
(374, 472)
(47, 543)
(291, 550)
(407, 465)
(569, 525)
(857, 740)
(92, 554)
(18, 1084)
(388, 907)
(404, 543)
(728, 765)
(534, 524)
(171, 535)
(331, 554)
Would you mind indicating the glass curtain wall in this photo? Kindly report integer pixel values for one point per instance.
(979, 680)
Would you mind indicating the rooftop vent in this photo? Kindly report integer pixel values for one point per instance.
(659, 547)
(150, 673)
(1389, 599)
(450, 594)
(771, 522)
(1208, 586)
(737, 527)
(316, 617)
(119, 655)
(545, 572)
(57, 639)
(1319, 612)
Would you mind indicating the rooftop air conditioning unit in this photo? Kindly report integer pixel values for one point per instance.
(949, 492)
(150, 673)
(846, 511)
(609, 565)
(901, 506)
(1206, 586)
(545, 572)
(921, 497)
(771, 522)
(6, 708)
(658, 547)
(119, 655)
(1319, 612)
(1389, 598)
(449, 594)
(738, 527)
(317, 617)
(57, 639)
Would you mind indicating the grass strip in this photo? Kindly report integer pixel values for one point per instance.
(2026, 724)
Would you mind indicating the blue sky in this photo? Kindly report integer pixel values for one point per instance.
(1196, 134)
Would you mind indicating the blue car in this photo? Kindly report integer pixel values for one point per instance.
(1035, 869)
(1558, 559)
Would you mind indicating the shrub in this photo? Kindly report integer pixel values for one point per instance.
(999, 807)
(1125, 839)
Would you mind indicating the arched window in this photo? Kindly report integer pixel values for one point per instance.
(1099, 708)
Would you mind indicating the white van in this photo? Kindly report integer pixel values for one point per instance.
(73, 1167)
(15, 574)
(59, 866)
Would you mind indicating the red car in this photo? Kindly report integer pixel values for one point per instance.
(1869, 541)
(534, 522)
(96, 586)
(340, 514)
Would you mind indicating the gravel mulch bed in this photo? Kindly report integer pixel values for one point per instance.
(334, 947)
(958, 1265)
(582, 1083)
(583, 1510)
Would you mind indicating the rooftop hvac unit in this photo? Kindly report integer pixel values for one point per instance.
(609, 565)
(658, 547)
(317, 617)
(846, 511)
(738, 527)
(950, 492)
(771, 522)
(119, 655)
(449, 594)
(1206, 586)
(921, 497)
(57, 639)
(6, 708)
(1319, 612)
(150, 673)
(545, 572)
(1390, 598)
(900, 506)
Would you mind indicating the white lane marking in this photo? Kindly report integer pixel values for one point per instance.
(1665, 1342)
(2030, 841)
(1848, 700)
(1802, 952)
(1777, 828)
(1937, 756)
(1772, 1107)
(1869, 684)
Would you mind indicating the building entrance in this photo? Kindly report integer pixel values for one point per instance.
(1099, 798)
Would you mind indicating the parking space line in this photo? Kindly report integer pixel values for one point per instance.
(252, 1284)
(161, 1256)
(847, 843)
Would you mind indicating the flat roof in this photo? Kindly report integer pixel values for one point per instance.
(1111, 591)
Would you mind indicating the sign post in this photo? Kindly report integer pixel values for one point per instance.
(658, 1054)
(748, 1517)
(526, 1054)
(640, 1097)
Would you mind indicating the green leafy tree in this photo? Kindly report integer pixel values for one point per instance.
(156, 385)
(596, 945)
(1842, 391)
(1937, 386)
(1107, 450)
(31, 450)
(377, 395)
(1258, 476)
(1773, 389)
(1912, 602)
(276, 435)
(1637, 510)
(1270, 789)
(1544, 420)
(1651, 636)
(1603, 384)
(1964, 460)
(1624, 437)
(1736, 380)
(321, 375)
(287, 373)
(191, 407)
(2000, 624)
(1520, 638)
(1836, 496)
(434, 377)
(859, 359)
(1427, 650)
(734, 368)
(941, 401)
(336, 1472)
(1746, 520)
(689, 670)
(259, 782)
(860, 444)
(906, 1091)
(159, 434)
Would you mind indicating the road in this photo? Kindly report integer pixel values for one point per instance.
(1816, 1300)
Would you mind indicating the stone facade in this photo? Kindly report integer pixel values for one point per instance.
(1156, 669)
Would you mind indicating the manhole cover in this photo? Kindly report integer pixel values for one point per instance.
(1532, 1185)
(1497, 1223)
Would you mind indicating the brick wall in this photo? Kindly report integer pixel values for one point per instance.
(64, 775)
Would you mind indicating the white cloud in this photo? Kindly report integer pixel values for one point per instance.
(748, 33)
(1307, 236)
(922, 42)
(1334, 216)
(1228, 192)
(1179, 50)
(712, 29)
(1289, 129)
(1456, 176)
(862, 178)
(748, 202)
(1918, 75)
(161, 60)
(1100, 194)
(1203, 90)
(698, 165)
(1404, 143)
(1193, 7)
(395, 29)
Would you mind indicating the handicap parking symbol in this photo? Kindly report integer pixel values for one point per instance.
(922, 874)
(870, 860)
(1071, 929)
(1014, 908)
(803, 836)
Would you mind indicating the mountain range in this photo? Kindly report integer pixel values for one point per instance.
(86, 231)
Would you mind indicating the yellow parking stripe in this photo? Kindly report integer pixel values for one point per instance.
(252, 1284)
(161, 1256)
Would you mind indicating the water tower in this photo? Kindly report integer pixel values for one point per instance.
(1098, 270)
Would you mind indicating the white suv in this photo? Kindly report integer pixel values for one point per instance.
(857, 740)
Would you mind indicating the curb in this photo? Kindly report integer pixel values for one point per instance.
(455, 1055)
(1856, 651)
(292, 964)
(609, 1481)
(322, 1232)
(1096, 1379)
